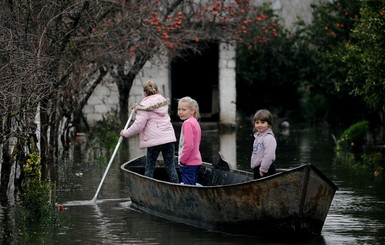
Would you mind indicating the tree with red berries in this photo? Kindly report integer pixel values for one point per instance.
(138, 31)
(54, 54)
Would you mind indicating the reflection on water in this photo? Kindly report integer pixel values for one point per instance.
(115, 222)
(356, 216)
(228, 147)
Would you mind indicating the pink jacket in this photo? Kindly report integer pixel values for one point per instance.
(189, 142)
(154, 127)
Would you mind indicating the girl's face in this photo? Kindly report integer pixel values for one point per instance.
(261, 126)
(185, 111)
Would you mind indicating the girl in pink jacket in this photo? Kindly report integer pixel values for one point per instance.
(189, 156)
(155, 131)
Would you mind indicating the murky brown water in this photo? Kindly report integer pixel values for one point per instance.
(357, 214)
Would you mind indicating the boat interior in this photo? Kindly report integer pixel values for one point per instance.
(209, 174)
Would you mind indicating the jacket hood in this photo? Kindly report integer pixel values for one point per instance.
(153, 100)
(268, 131)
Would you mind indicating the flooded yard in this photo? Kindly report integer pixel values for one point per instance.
(356, 215)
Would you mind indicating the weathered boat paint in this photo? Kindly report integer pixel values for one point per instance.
(295, 202)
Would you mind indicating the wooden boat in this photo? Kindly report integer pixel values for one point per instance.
(294, 202)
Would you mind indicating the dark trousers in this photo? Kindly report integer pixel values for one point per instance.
(189, 174)
(271, 171)
(168, 152)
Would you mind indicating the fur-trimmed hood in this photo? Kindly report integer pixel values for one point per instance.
(153, 125)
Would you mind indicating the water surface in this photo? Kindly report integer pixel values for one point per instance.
(356, 215)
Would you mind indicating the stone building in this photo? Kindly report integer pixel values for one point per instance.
(209, 78)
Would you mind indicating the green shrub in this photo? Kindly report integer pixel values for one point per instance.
(103, 137)
(353, 138)
(374, 162)
(37, 200)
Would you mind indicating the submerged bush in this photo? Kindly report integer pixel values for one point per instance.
(35, 197)
(36, 211)
(367, 163)
(350, 149)
(374, 161)
(354, 138)
(104, 136)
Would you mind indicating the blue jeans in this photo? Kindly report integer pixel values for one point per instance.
(189, 174)
(168, 152)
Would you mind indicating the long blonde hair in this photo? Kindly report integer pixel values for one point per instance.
(193, 104)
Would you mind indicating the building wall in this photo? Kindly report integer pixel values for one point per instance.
(105, 97)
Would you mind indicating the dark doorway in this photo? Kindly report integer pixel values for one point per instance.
(196, 75)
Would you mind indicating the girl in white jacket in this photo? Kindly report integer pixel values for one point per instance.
(264, 145)
(155, 131)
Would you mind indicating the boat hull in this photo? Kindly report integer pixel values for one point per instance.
(293, 202)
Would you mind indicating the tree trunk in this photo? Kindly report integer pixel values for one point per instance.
(44, 144)
(6, 164)
(124, 83)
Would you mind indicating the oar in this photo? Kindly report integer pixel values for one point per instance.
(113, 156)
(138, 107)
(93, 200)
(148, 108)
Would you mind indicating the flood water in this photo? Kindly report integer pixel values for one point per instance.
(356, 216)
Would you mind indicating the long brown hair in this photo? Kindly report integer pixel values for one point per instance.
(265, 116)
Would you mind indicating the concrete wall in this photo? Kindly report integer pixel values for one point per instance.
(105, 97)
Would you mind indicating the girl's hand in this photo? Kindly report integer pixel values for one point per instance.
(121, 133)
(133, 106)
(261, 173)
